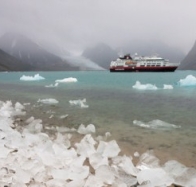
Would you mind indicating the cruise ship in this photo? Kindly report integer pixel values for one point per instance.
(142, 64)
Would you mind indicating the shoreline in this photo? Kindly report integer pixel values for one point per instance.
(82, 159)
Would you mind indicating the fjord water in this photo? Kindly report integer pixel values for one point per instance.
(115, 106)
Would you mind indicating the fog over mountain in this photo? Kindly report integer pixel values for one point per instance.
(101, 54)
(76, 25)
(31, 54)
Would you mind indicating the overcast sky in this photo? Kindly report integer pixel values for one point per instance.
(76, 24)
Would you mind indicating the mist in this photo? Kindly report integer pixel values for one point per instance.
(75, 25)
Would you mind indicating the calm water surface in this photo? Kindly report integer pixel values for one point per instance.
(114, 105)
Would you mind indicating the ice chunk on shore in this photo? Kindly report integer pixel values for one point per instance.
(48, 101)
(167, 87)
(86, 130)
(182, 175)
(140, 86)
(31, 158)
(190, 80)
(66, 80)
(8, 110)
(36, 77)
(156, 124)
(127, 166)
(105, 174)
(156, 177)
(108, 149)
(80, 103)
(148, 160)
(86, 147)
(97, 160)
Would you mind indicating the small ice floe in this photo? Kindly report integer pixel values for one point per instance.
(86, 130)
(156, 124)
(51, 116)
(140, 86)
(168, 87)
(65, 129)
(36, 77)
(25, 104)
(80, 103)
(50, 112)
(52, 85)
(63, 116)
(67, 80)
(48, 101)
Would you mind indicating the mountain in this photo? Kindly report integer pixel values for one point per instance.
(189, 62)
(149, 47)
(9, 63)
(30, 53)
(101, 54)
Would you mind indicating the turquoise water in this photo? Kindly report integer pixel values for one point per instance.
(114, 105)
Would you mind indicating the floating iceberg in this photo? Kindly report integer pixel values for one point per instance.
(66, 80)
(48, 101)
(80, 103)
(156, 124)
(140, 86)
(190, 80)
(168, 87)
(36, 77)
(52, 85)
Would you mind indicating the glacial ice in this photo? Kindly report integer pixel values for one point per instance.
(156, 177)
(36, 77)
(86, 146)
(168, 87)
(190, 80)
(30, 158)
(80, 103)
(148, 160)
(156, 124)
(96, 160)
(108, 149)
(67, 80)
(52, 85)
(48, 101)
(127, 166)
(140, 86)
(86, 130)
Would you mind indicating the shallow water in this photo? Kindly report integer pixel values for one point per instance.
(114, 105)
